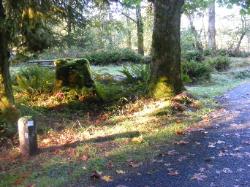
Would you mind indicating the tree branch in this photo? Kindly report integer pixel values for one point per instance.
(126, 15)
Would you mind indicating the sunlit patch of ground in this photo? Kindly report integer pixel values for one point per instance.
(75, 144)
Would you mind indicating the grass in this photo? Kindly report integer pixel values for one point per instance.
(224, 81)
(77, 141)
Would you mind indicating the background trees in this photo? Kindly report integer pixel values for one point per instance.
(94, 25)
(211, 26)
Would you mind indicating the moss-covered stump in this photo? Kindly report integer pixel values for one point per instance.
(73, 74)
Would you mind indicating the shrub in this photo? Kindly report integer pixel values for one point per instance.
(193, 55)
(222, 52)
(207, 52)
(115, 56)
(242, 74)
(34, 79)
(196, 71)
(185, 78)
(8, 117)
(220, 63)
(243, 54)
(136, 73)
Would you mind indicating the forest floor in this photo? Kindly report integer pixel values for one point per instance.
(218, 155)
(92, 144)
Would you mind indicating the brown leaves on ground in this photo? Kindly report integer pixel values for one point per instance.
(22, 178)
(120, 172)
(181, 142)
(180, 132)
(198, 177)
(137, 139)
(97, 175)
(169, 153)
(185, 101)
(134, 164)
(107, 178)
(246, 142)
(173, 173)
(65, 137)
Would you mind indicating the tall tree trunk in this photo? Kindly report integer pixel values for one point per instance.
(110, 37)
(211, 26)
(165, 79)
(4, 63)
(129, 36)
(140, 31)
(198, 43)
(237, 49)
(69, 22)
(244, 30)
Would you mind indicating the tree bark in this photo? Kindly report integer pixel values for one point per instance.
(69, 17)
(129, 36)
(69, 21)
(211, 26)
(110, 37)
(198, 44)
(244, 30)
(140, 31)
(4, 62)
(165, 79)
(237, 49)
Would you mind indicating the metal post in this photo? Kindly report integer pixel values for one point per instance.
(27, 136)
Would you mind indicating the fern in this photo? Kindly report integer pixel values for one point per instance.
(34, 79)
(139, 73)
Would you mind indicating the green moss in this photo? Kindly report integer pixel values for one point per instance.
(73, 74)
(161, 89)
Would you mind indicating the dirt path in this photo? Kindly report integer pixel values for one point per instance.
(218, 156)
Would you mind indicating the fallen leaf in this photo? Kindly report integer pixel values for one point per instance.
(180, 159)
(182, 142)
(167, 164)
(31, 185)
(195, 129)
(211, 144)
(208, 159)
(173, 173)
(137, 139)
(46, 141)
(202, 169)
(96, 175)
(179, 132)
(227, 170)
(178, 121)
(220, 142)
(21, 178)
(221, 153)
(120, 172)
(84, 158)
(198, 177)
(135, 164)
(172, 153)
(107, 178)
(197, 143)
(217, 172)
(110, 165)
(246, 142)
(240, 169)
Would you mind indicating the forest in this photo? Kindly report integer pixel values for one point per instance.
(124, 93)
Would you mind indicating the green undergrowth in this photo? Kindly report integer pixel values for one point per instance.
(126, 131)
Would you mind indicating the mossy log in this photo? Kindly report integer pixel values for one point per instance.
(74, 74)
